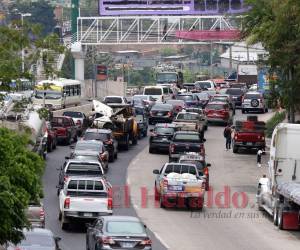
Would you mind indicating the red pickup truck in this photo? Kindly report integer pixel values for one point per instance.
(65, 128)
(248, 134)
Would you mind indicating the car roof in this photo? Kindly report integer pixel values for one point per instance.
(88, 178)
(216, 102)
(100, 131)
(120, 218)
(179, 164)
(40, 231)
(83, 162)
(253, 93)
(187, 112)
(89, 142)
(114, 96)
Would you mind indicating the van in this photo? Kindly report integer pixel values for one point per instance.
(160, 93)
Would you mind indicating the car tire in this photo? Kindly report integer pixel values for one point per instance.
(280, 217)
(145, 133)
(116, 155)
(243, 111)
(59, 216)
(161, 202)
(55, 143)
(50, 147)
(75, 138)
(112, 157)
(266, 110)
(151, 150)
(87, 244)
(64, 225)
(235, 149)
(275, 215)
(156, 194)
(126, 146)
(135, 140)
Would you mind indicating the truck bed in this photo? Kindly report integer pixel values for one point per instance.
(290, 190)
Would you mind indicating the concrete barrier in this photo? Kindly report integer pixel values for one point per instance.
(85, 108)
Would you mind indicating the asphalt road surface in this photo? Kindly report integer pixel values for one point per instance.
(215, 227)
(74, 239)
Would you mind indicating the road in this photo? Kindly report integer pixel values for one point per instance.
(75, 238)
(215, 227)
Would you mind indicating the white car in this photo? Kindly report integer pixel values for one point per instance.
(121, 100)
(84, 198)
(254, 101)
(206, 85)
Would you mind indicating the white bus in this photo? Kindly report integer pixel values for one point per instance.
(58, 93)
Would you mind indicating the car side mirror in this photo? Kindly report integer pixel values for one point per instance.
(151, 130)
(72, 147)
(67, 157)
(204, 140)
(155, 171)
(57, 239)
(145, 226)
(208, 165)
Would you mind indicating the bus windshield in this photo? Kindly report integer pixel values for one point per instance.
(166, 77)
(39, 94)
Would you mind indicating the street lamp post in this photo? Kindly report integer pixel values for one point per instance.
(23, 52)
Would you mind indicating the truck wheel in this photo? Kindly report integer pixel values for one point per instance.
(243, 111)
(156, 194)
(127, 143)
(134, 140)
(151, 150)
(116, 155)
(64, 225)
(112, 157)
(161, 202)
(59, 216)
(145, 133)
(235, 149)
(275, 215)
(75, 138)
(280, 217)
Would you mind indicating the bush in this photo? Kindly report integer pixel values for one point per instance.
(273, 122)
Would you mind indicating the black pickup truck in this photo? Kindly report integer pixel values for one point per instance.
(185, 142)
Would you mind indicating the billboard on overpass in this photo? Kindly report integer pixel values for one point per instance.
(171, 7)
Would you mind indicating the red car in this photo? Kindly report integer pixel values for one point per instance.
(218, 112)
(65, 128)
(51, 137)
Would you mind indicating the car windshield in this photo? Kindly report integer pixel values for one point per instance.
(88, 146)
(75, 168)
(200, 166)
(204, 85)
(113, 100)
(166, 77)
(252, 96)
(175, 102)
(187, 116)
(187, 137)
(185, 97)
(125, 227)
(203, 96)
(153, 91)
(32, 239)
(95, 136)
(162, 130)
(215, 106)
(180, 169)
(48, 95)
(73, 114)
(165, 107)
(219, 98)
(234, 91)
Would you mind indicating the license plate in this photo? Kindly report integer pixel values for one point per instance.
(160, 114)
(88, 215)
(249, 143)
(164, 139)
(128, 244)
(175, 188)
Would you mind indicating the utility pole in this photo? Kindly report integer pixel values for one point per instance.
(23, 52)
(74, 15)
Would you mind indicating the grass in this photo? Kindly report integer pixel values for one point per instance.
(277, 118)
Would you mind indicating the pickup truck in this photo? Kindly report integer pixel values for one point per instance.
(74, 167)
(184, 142)
(84, 198)
(189, 121)
(65, 128)
(248, 134)
(180, 185)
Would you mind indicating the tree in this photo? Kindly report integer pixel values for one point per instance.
(35, 8)
(168, 51)
(275, 24)
(20, 182)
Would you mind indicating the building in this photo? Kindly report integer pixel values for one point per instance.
(242, 54)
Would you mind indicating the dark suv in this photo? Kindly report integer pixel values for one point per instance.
(106, 136)
(236, 95)
(161, 137)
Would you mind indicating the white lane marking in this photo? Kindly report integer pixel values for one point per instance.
(160, 239)
(135, 160)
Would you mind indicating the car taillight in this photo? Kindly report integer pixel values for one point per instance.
(235, 137)
(165, 183)
(107, 240)
(169, 114)
(42, 214)
(263, 138)
(109, 203)
(110, 141)
(205, 171)
(153, 134)
(203, 184)
(152, 113)
(103, 157)
(202, 150)
(67, 203)
(66, 178)
(145, 242)
(172, 148)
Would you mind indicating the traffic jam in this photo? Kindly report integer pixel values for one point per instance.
(175, 120)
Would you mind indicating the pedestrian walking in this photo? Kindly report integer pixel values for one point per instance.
(227, 135)
(259, 153)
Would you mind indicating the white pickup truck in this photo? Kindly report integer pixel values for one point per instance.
(179, 184)
(84, 198)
